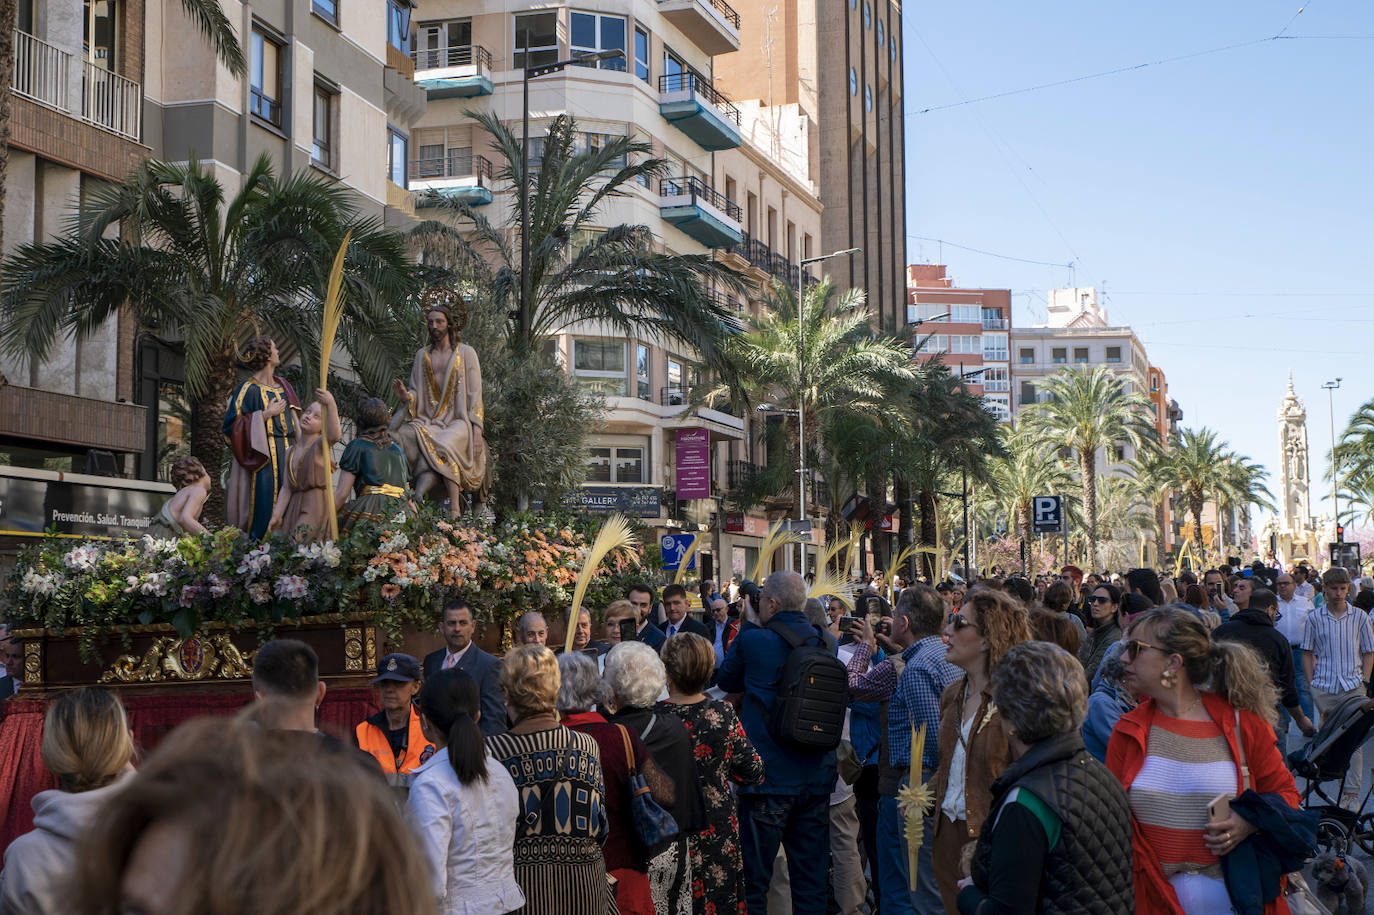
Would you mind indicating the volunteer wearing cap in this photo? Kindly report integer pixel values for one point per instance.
(393, 735)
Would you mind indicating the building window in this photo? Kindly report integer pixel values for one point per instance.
(398, 145)
(962, 314)
(100, 32)
(964, 345)
(1027, 393)
(265, 95)
(643, 389)
(537, 34)
(398, 24)
(853, 82)
(326, 9)
(995, 347)
(999, 406)
(444, 44)
(881, 41)
(892, 47)
(1059, 355)
(599, 365)
(673, 65)
(1113, 354)
(868, 16)
(996, 379)
(615, 465)
(935, 343)
(868, 98)
(590, 32)
(322, 126)
(1080, 355)
(993, 320)
(1154, 382)
(642, 54)
(1027, 356)
(679, 382)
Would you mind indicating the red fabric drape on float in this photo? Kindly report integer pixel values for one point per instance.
(151, 717)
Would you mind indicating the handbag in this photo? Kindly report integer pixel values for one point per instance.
(1301, 899)
(654, 826)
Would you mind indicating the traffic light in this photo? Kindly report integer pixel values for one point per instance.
(1340, 533)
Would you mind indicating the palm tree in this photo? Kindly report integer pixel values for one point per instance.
(1088, 410)
(1242, 486)
(214, 273)
(580, 271)
(1025, 472)
(1127, 519)
(949, 435)
(822, 357)
(206, 14)
(1194, 467)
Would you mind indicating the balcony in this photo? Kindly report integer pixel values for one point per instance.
(463, 71)
(700, 211)
(698, 109)
(996, 324)
(460, 178)
(712, 24)
(737, 472)
(45, 74)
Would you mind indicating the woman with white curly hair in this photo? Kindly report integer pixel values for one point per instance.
(636, 679)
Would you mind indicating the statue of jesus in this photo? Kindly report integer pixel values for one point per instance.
(439, 422)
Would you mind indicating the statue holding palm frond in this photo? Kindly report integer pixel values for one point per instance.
(439, 422)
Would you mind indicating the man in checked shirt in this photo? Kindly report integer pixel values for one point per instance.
(908, 685)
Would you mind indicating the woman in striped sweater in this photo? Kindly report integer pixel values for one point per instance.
(1203, 728)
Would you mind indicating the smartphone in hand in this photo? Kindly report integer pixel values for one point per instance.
(1219, 808)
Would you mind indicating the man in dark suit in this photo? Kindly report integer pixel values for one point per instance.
(723, 628)
(675, 607)
(457, 627)
(642, 596)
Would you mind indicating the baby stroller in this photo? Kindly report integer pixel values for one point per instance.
(1326, 759)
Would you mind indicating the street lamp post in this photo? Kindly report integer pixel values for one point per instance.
(529, 73)
(1331, 387)
(801, 388)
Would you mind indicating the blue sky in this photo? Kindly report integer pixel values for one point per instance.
(1243, 175)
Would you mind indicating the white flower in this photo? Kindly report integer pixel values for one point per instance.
(40, 584)
(155, 584)
(399, 519)
(218, 586)
(321, 554)
(260, 592)
(395, 544)
(159, 544)
(292, 587)
(82, 559)
(256, 562)
(372, 573)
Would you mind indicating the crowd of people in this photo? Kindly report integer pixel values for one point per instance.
(1103, 744)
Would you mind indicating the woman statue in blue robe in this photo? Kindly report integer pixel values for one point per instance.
(259, 426)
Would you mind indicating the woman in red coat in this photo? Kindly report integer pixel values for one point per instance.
(1181, 748)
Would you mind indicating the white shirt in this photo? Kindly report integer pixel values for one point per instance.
(954, 807)
(468, 836)
(1305, 590)
(451, 658)
(1293, 613)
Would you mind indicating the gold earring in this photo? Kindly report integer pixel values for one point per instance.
(1168, 679)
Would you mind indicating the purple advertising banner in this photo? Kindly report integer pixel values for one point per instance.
(693, 464)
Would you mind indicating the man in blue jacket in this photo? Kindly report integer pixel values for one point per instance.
(792, 806)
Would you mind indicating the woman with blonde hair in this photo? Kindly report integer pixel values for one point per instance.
(87, 747)
(227, 817)
(973, 748)
(1204, 728)
(557, 772)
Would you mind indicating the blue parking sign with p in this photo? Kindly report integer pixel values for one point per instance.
(674, 547)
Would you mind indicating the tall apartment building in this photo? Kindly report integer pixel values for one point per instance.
(75, 122)
(329, 87)
(741, 184)
(967, 328)
(840, 65)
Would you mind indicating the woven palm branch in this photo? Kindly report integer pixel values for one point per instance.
(333, 310)
(778, 537)
(913, 800)
(614, 535)
(832, 584)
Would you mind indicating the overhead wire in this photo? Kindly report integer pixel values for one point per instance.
(1005, 257)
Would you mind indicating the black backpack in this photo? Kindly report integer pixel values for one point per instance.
(813, 693)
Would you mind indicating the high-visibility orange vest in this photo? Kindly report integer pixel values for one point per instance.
(372, 739)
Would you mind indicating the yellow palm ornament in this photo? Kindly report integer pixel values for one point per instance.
(914, 800)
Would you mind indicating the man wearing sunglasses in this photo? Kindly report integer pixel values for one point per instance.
(1254, 625)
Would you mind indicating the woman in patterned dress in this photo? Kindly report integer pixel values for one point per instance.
(557, 771)
(723, 755)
